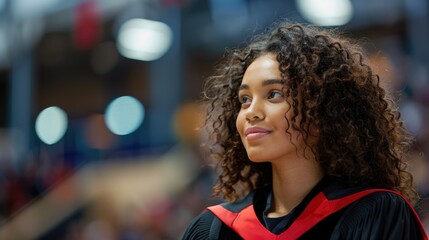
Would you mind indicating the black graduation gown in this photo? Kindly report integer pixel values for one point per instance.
(380, 215)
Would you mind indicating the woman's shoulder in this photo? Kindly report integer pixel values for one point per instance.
(383, 215)
(200, 226)
(380, 203)
(208, 226)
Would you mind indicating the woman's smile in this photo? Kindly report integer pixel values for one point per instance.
(255, 133)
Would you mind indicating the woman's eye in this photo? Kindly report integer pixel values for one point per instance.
(244, 99)
(275, 94)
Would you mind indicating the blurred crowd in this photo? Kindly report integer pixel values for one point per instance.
(19, 187)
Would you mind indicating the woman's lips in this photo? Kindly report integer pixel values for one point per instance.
(255, 133)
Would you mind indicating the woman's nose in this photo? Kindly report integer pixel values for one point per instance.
(255, 111)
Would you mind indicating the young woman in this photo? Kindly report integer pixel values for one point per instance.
(308, 143)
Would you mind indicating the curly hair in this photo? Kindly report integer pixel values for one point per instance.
(361, 138)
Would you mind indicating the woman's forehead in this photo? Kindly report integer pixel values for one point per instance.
(265, 66)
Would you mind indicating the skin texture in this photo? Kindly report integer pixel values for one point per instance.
(334, 111)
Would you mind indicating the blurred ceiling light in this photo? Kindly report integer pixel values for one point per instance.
(143, 39)
(326, 12)
(124, 115)
(51, 125)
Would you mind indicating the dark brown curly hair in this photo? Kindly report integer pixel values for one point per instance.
(361, 139)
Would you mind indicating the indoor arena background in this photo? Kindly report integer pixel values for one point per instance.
(99, 111)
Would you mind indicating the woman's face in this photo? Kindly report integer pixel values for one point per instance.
(261, 121)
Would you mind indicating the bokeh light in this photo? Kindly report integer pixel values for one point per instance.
(188, 120)
(327, 12)
(51, 125)
(124, 115)
(144, 40)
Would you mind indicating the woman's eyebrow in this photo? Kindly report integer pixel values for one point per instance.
(264, 83)
(243, 87)
(272, 81)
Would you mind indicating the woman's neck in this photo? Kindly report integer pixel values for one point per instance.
(292, 181)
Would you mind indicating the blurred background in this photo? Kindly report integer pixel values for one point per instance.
(99, 110)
